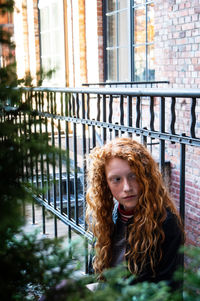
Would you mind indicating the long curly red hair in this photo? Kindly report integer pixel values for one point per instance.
(146, 233)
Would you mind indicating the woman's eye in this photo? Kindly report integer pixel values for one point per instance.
(132, 176)
(116, 180)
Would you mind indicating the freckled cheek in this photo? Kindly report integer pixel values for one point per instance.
(115, 190)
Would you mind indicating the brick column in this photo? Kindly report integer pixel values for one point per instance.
(100, 39)
(82, 41)
(37, 35)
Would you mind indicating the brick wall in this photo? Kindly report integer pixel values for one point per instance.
(25, 35)
(100, 40)
(37, 34)
(7, 55)
(82, 42)
(177, 42)
(177, 54)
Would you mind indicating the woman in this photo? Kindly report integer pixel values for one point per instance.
(131, 214)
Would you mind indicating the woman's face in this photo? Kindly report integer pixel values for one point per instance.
(122, 183)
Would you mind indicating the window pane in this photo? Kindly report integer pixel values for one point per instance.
(122, 4)
(111, 31)
(123, 64)
(52, 40)
(150, 22)
(44, 19)
(140, 63)
(112, 64)
(123, 28)
(55, 21)
(57, 40)
(111, 5)
(45, 44)
(151, 63)
(140, 26)
(46, 63)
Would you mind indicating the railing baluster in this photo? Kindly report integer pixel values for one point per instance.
(193, 118)
(77, 106)
(121, 109)
(35, 129)
(47, 156)
(93, 136)
(104, 117)
(70, 104)
(54, 103)
(182, 181)
(41, 104)
(43, 220)
(129, 113)
(84, 171)
(88, 106)
(162, 130)
(26, 160)
(110, 109)
(98, 107)
(67, 147)
(61, 104)
(173, 116)
(88, 117)
(110, 114)
(76, 213)
(53, 162)
(138, 112)
(151, 111)
(60, 167)
(30, 100)
(41, 100)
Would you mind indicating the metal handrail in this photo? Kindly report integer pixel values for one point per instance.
(155, 92)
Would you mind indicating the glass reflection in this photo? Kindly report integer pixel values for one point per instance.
(123, 28)
(140, 26)
(122, 4)
(112, 64)
(150, 22)
(151, 62)
(111, 5)
(123, 64)
(111, 31)
(140, 63)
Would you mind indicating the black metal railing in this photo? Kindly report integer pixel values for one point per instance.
(76, 120)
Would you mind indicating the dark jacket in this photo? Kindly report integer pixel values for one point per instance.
(171, 258)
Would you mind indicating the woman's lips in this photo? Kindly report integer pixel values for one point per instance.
(129, 197)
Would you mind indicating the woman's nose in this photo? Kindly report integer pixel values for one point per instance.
(127, 186)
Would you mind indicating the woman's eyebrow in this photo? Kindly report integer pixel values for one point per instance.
(113, 176)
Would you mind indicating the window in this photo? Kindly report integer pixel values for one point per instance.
(52, 40)
(129, 40)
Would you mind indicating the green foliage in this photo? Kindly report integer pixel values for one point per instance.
(6, 6)
(192, 274)
(30, 266)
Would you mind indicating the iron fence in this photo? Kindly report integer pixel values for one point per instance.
(76, 120)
